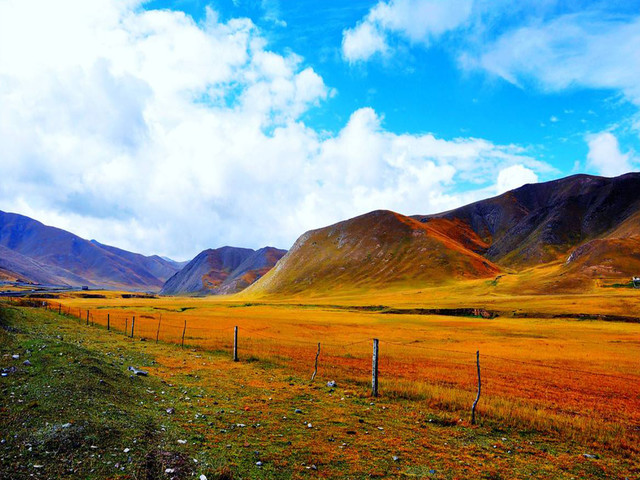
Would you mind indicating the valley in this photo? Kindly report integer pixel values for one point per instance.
(558, 399)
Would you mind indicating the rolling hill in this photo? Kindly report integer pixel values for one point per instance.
(580, 228)
(378, 249)
(222, 271)
(33, 252)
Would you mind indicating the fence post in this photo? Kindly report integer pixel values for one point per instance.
(126, 325)
(108, 322)
(133, 325)
(473, 408)
(87, 317)
(184, 330)
(235, 344)
(315, 369)
(374, 369)
(158, 332)
(59, 308)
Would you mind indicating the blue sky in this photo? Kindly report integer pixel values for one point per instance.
(423, 88)
(173, 126)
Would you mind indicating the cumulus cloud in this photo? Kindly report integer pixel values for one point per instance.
(152, 132)
(513, 177)
(362, 42)
(605, 157)
(417, 21)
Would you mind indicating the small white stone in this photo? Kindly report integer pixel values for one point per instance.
(203, 477)
(182, 441)
(126, 450)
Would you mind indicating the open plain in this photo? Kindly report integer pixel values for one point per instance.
(561, 367)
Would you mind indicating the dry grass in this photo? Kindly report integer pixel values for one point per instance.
(575, 377)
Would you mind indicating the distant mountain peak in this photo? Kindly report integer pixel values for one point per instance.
(223, 270)
(52, 255)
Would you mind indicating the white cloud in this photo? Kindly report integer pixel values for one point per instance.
(152, 132)
(590, 49)
(362, 42)
(417, 21)
(513, 177)
(605, 157)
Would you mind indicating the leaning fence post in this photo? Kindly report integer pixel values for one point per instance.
(133, 325)
(183, 332)
(158, 332)
(374, 369)
(315, 369)
(473, 408)
(235, 344)
(108, 322)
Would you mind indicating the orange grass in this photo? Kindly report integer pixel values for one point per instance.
(579, 378)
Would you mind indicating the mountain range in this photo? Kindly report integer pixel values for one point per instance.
(583, 228)
(33, 252)
(568, 232)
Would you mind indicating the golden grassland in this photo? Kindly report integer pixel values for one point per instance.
(574, 376)
(76, 411)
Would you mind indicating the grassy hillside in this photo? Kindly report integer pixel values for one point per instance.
(376, 250)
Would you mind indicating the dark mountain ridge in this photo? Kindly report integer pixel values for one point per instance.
(42, 254)
(539, 223)
(222, 271)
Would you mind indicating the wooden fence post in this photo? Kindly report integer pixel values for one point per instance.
(473, 408)
(315, 369)
(374, 369)
(158, 332)
(133, 325)
(184, 330)
(126, 325)
(87, 317)
(59, 308)
(108, 322)
(235, 344)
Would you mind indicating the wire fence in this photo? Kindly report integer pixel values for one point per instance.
(514, 388)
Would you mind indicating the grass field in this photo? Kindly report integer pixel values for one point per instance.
(574, 375)
(75, 410)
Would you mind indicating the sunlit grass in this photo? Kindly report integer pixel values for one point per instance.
(575, 377)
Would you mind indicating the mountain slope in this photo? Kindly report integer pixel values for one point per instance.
(580, 229)
(378, 249)
(222, 271)
(17, 267)
(72, 260)
(544, 222)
